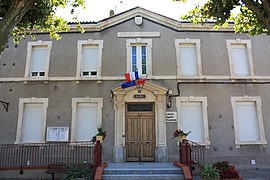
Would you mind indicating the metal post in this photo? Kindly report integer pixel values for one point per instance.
(97, 154)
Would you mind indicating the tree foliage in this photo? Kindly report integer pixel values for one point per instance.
(252, 16)
(17, 17)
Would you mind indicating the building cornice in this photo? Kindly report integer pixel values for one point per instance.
(150, 16)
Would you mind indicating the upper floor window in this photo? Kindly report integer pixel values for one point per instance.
(188, 56)
(38, 57)
(32, 120)
(86, 118)
(193, 110)
(248, 121)
(89, 58)
(139, 56)
(240, 57)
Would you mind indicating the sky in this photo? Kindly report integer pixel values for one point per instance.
(99, 9)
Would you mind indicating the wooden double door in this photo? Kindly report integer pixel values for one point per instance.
(140, 132)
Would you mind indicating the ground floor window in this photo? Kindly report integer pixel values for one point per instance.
(248, 121)
(86, 118)
(32, 120)
(192, 116)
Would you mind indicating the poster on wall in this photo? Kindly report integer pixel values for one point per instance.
(57, 133)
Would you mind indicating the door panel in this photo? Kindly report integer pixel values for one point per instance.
(140, 136)
(132, 138)
(147, 138)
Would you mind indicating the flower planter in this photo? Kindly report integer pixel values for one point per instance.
(232, 178)
(99, 138)
(222, 179)
(182, 138)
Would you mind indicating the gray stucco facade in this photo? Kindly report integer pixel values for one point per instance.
(62, 84)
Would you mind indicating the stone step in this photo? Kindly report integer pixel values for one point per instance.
(134, 171)
(143, 176)
(142, 171)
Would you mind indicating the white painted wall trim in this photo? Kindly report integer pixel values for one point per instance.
(80, 44)
(137, 34)
(75, 101)
(30, 46)
(148, 43)
(197, 43)
(257, 101)
(22, 102)
(247, 43)
(203, 100)
(111, 78)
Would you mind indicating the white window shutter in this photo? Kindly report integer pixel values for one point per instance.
(188, 60)
(89, 58)
(247, 122)
(38, 59)
(32, 123)
(192, 120)
(240, 60)
(86, 122)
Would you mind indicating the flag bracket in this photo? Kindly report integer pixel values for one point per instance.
(5, 104)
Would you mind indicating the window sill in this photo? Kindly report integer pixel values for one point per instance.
(262, 142)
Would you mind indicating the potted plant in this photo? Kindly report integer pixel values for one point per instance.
(180, 134)
(100, 136)
(226, 171)
(208, 172)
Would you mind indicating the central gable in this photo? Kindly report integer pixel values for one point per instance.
(150, 91)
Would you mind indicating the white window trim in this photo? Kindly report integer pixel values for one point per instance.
(28, 58)
(80, 44)
(75, 102)
(148, 43)
(197, 43)
(24, 101)
(230, 43)
(203, 100)
(258, 102)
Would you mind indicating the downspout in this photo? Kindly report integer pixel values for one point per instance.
(178, 87)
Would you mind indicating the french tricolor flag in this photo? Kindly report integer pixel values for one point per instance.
(132, 76)
(132, 79)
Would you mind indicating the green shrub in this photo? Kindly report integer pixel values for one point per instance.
(209, 172)
(78, 171)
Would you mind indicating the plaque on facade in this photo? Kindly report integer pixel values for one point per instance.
(139, 96)
(57, 133)
(171, 116)
(138, 34)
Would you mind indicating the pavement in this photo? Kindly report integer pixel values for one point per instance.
(255, 173)
(248, 173)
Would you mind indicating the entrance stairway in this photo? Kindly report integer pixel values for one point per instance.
(142, 170)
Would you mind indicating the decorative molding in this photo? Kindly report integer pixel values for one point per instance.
(148, 44)
(115, 78)
(30, 45)
(34, 100)
(155, 94)
(249, 99)
(187, 42)
(98, 102)
(203, 101)
(99, 45)
(230, 45)
(138, 34)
